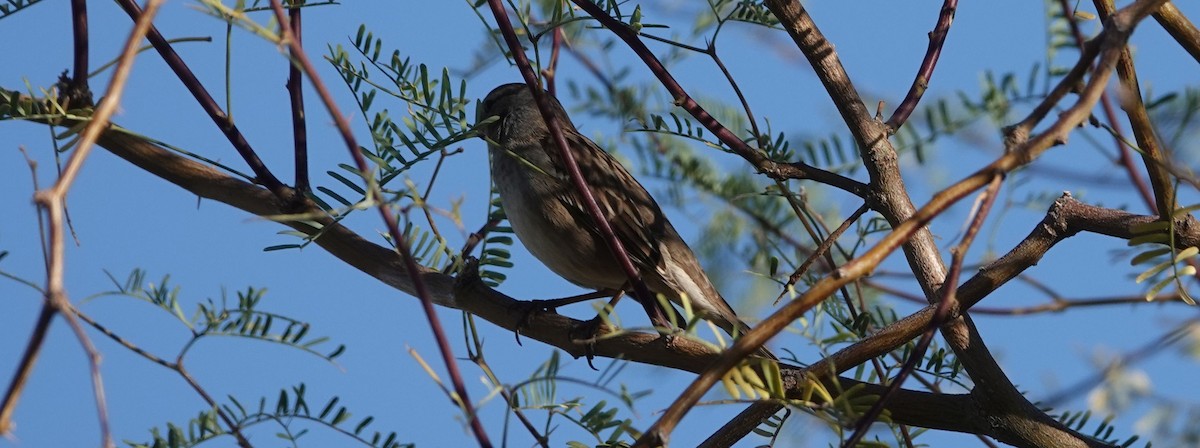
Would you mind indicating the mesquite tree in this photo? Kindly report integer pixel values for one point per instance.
(858, 229)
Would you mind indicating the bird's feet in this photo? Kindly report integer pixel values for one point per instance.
(528, 309)
(532, 307)
(587, 333)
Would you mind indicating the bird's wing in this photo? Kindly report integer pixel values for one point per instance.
(632, 213)
(643, 230)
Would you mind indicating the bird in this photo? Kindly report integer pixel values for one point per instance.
(550, 218)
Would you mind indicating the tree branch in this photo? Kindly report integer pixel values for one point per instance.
(1124, 160)
(1179, 27)
(937, 38)
(996, 394)
(296, 97)
(420, 289)
(759, 160)
(52, 201)
(262, 174)
(1153, 157)
(469, 294)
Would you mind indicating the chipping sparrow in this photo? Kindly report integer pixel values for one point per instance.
(549, 217)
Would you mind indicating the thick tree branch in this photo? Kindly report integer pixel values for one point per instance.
(1153, 157)
(1124, 159)
(995, 393)
(468, 294)
(1179, 27)
(1065, 218)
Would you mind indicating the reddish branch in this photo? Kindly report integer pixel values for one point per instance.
(954, 412)
(758, 159)
(296, 97)
(79, 30)
(936, 39)
(948, 412)
(993, 389)
(420, 289)
(262, 174)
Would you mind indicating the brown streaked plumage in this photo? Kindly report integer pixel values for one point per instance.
(548, 216)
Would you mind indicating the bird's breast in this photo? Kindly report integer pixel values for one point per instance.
(550, 228)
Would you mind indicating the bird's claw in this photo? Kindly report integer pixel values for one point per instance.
(587, 333)
(529, 309)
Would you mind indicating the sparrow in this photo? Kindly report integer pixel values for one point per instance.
(549, 217)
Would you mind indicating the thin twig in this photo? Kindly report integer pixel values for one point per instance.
(423, 200)
(25, 367)
(51, 202)
(551, 70)
(821, 251)
(122, 341)
(1057, 305)
(296, 96)
(175, 366)
(79, 30)
(937, 38)
(1152, 154)
(476, 356)
(233, 427)
(385, 212)
(760, 161)
(262, 174)
(711, 51)
(475, 238)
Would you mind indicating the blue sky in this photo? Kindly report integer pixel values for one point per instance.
(128, 219)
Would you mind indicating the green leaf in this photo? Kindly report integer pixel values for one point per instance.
(1153, 271)
(366, 421)
(1149, 255)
